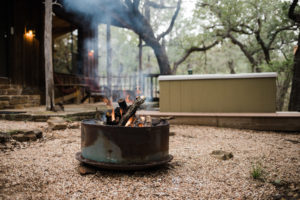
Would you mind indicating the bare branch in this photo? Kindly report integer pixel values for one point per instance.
(57, 4)
(246, 26)
(191, 50)
(274, 35)
(241, 31)
(157, 6)
(292, 15)
(243, 49)
(172, 22)
(261, 42)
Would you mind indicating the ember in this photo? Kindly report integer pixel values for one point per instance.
(124, 115)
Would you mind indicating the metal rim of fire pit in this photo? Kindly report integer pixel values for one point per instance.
(112, 166)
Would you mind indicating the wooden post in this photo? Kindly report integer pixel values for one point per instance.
(48, 56)
(109, 54)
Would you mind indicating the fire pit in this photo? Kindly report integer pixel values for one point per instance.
(124, 147)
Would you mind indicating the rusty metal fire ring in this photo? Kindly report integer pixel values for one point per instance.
(112, 166)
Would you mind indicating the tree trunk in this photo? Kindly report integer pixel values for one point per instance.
(294, 104)
(282, 90)
(141, 26)
(162, 58)
(230, 65)
(48, 56)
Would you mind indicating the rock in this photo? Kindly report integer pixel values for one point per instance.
(38, 133)
(221, 155)
(4, 104)
(9, 146)
(2, 146)
(26, 135)
(84, 170)
(57, 123)
(74, 125)
(20, 137)
(171, 133)
(4, 137)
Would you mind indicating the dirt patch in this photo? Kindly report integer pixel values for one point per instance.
(48, 169)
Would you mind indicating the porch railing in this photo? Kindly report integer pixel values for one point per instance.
(149, 87)
(128, 83)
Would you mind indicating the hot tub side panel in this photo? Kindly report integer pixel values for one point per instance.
(218, 95)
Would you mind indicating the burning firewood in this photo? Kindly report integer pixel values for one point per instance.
(119, 111)
(131, 110)
(108, 118)
(124, 115)
(123, 105)
(118, 114)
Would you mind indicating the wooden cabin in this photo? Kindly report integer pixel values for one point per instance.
(22, 68)
(22, 62)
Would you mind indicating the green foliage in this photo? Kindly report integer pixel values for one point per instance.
(65, 53)
(211, 20)
(256, 171)
(279, 66)
(244, 18)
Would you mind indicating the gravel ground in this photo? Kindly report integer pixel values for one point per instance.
(47, 169)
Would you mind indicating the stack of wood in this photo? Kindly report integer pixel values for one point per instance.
(124, 115)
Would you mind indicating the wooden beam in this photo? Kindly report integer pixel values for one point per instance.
(68, 97)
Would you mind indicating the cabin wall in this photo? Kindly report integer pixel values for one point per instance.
(25, 59)
(26, 56)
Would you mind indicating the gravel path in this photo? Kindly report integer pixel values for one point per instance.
(47, 169)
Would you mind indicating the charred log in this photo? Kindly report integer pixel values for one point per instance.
(108, 118)
(131, 110)
(123, 105)
(118, 114)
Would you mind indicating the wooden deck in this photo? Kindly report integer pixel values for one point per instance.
(279, 121)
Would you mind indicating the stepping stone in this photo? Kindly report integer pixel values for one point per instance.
(221, 155)
(57, 123)
(21, 135)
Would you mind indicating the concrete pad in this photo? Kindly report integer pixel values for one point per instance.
(279, 121)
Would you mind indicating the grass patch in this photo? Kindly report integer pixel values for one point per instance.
(69, 119)
(256, 171)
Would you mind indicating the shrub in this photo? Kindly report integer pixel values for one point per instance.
(256, 172)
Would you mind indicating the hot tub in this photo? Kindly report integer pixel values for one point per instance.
(233, 93)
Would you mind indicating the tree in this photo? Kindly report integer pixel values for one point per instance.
(130, 17)
(50, 104)
(260, 29)
(127, 14)
(251, 26)
(294, 104)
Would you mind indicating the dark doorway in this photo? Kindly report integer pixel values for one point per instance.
(4, 36)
